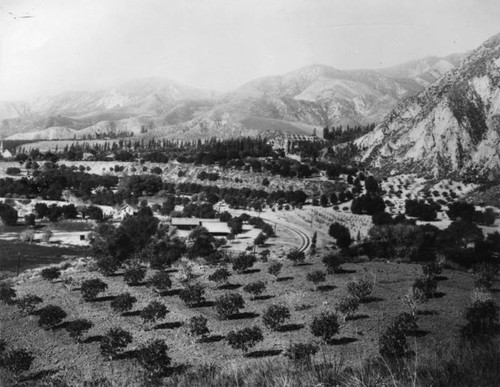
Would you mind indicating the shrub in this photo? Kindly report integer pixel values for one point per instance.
(432, 269)
(160, 281)
(229, 304)
(51, 316)
(316, 277)
(245, 339)
(243, 262)
(482, 317)
(275, 316)
(220, 276)
(275, 269)
(7, 294)
(114, 341)
(134, 275)
(154, 311)
(347, 306)
(301, 352)
(333, 262)
(28, 303)
(406, 322)
(18, 360)
(91, 288)
(192, 295)
(426, 285)
(51, 273)
(360, 288)
(392, 342)
(107, 265)
(325, 326)
(123, 303)
(296, 256)
(78, 327)
(198, 326)
(255, 288)
(153, 356)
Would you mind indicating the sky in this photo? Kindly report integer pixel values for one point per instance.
(52, 46)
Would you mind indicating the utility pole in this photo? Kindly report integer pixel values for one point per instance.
(18, 261)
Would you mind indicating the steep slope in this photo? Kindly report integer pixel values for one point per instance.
(452, 127)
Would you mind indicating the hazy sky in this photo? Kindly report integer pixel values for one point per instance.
(220, 44)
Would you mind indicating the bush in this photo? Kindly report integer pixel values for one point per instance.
(91, 288)
(243, 262)
(123, 303)
(7, 294)
(114, 341)
(275, 316)
(347, 306)
(333, 262)
(198, 326)
(360, 288)
(18, 360)
(482, 318)
(134, 275)
(275, 269)
(392, 343)
(28, 303)
(220, 276)
(229, 304)
(255, 288)
(153, 356)
(300, 352)
(325, 326)
(154, 311)
(296, 256)
(316, 277)
(245, 339)
(51, 273)
(406, 322)
(108, 265)
(77, 328)
(160, 281)
(192, 295)
(51, 316)
(426, 285)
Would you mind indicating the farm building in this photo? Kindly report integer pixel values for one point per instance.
(214, 226)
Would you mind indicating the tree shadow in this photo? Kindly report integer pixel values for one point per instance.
(131, 314)
(266, 353)
(427, 312)
(251, 271)
(205, 304)
(212, 339)
(441, 278)
(137, 284)
(284, 279)
(130, 354)
(357, 317)
(303, 264)
(495, 290)
(169, 325)
(325, 288)
(103, 298)
(418, 333)
(171, 270)
(172, 292)
(115, 275)
(230, 286)
(370, 299)
(243, 315)
(290, 327)
(93, 339)
(39, 375)
(439, 295)
(344, 271)
(342, 341)
(264, 297)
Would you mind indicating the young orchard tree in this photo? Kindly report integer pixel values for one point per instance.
(245, 339)
(316, 277)
(413, 299)
(426, 285)
(255, 288)
(347, 307)
(77, 328)
(229, 304)
(275, 316)
(275, 269)
(260, 239)
(197, 326)
(91, 288)
(264, 255)
(301, 352)
(160, 281)
(192, 295)
(28, 303)
(50, 316)
(406, 322)
(220, 276)
(325, 326)
(7, 294)
(392, 342)
(134, 275)
(243, 262)
(360, 288)
(114, 341)
(51, 273)
(154, 358)
(123, 303)
(17, 360)
(333, 262)
(296, 256)
(108, 265)
(154, 311)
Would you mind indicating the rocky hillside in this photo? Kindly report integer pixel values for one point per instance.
(452, 127)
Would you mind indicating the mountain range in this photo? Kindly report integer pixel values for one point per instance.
(296, 102)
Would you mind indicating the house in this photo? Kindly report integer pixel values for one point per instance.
(5, 153)
(214, 226)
